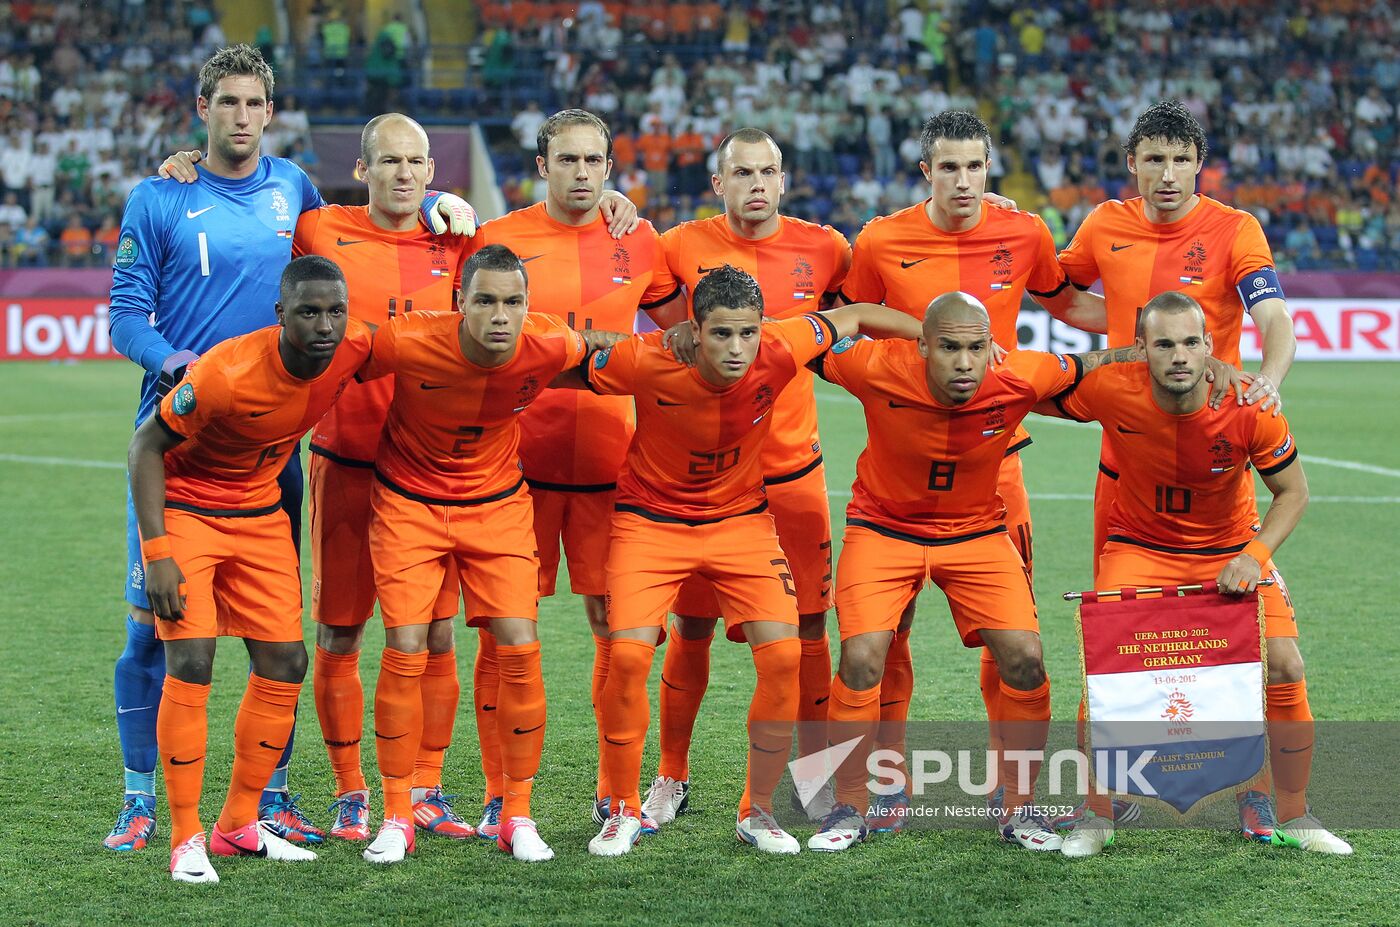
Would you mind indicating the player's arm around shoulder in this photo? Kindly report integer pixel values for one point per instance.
(1076, 397)
(872, 320)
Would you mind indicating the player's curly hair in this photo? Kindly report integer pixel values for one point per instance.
(726, 287)
(493, 257)
(306, 269)
(234, 61)
(567, 118)
(955, 125)
(1170, 120)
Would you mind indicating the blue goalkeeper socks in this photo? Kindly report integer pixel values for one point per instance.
(137, 683)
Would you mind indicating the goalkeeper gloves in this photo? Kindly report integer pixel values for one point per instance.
(445, 213)
(173, 371)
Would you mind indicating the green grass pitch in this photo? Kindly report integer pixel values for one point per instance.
(63, 435)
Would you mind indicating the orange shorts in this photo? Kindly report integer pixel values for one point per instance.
(579, 520)
(241, 577)
(802, 512)
(649, 560)
(1011, 486)
(342, 588)
(983, 578)
(1123, 565)
(489, 548)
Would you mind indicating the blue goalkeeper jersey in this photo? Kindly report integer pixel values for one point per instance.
(199, 263)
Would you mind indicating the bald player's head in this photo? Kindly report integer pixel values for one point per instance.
(956, 344)
(369, 138)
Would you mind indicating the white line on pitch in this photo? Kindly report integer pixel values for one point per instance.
(63, 462)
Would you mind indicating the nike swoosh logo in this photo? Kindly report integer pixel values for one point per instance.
(196, 213)
(488, 707)
(901, 405)
(887, 704)
(821, 700)
(349, 241)
(432, 386)
(908, 264)
(754, 746)
(178, 762)
(1299, 750)
(388, 737)
(263, 743)
(663, 402)
(531, 258)
(704, 270)
(616, 743)
(1127, 431)
(670, 685)
(528, 730)
(760, 418)
(127, 711)
(261, 414)
(1119, 247)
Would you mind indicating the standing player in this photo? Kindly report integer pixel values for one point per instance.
(395, 266)
(1172, 238)
(691, 501)
(798, 266)
(218, 553)
(925, 505)
(572, 443)
(1171, 445)
(449, 497)
(954, 241)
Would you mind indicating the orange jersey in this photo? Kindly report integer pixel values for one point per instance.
(904, 261)
(590, 280)
(242, 414)
(697, 454)
(794, 266)
(1184, 481)
(386, 273)
(452, 434)
(929, 471)
(1203, 254)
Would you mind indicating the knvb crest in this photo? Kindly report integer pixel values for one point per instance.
(529, 389)
(1222, 455)
(1001, 260)
(1196, 257)
(994, 422)
(762, 398)
(1179, 708)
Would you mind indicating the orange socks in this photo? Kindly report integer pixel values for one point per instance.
(626, 714)
(398, 726)
(989, 680)
(260, 732)
(486, 680)
(896, 688)
(1290, 746)
(182, 729)
(520, 721)
(685, 674)
(1023, 724)
(853, 713)
(340, 706)
(813, 691)
(441, 693)
(772, 712)
(602, 656)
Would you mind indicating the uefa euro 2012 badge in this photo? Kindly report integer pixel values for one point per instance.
(183, 403)
(126, 252)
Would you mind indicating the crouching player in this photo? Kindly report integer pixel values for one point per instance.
(218, 548)
(924, 506)
(1184, 512)
(450, 495)
(690, 502)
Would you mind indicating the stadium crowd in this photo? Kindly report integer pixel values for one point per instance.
(92, 96)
